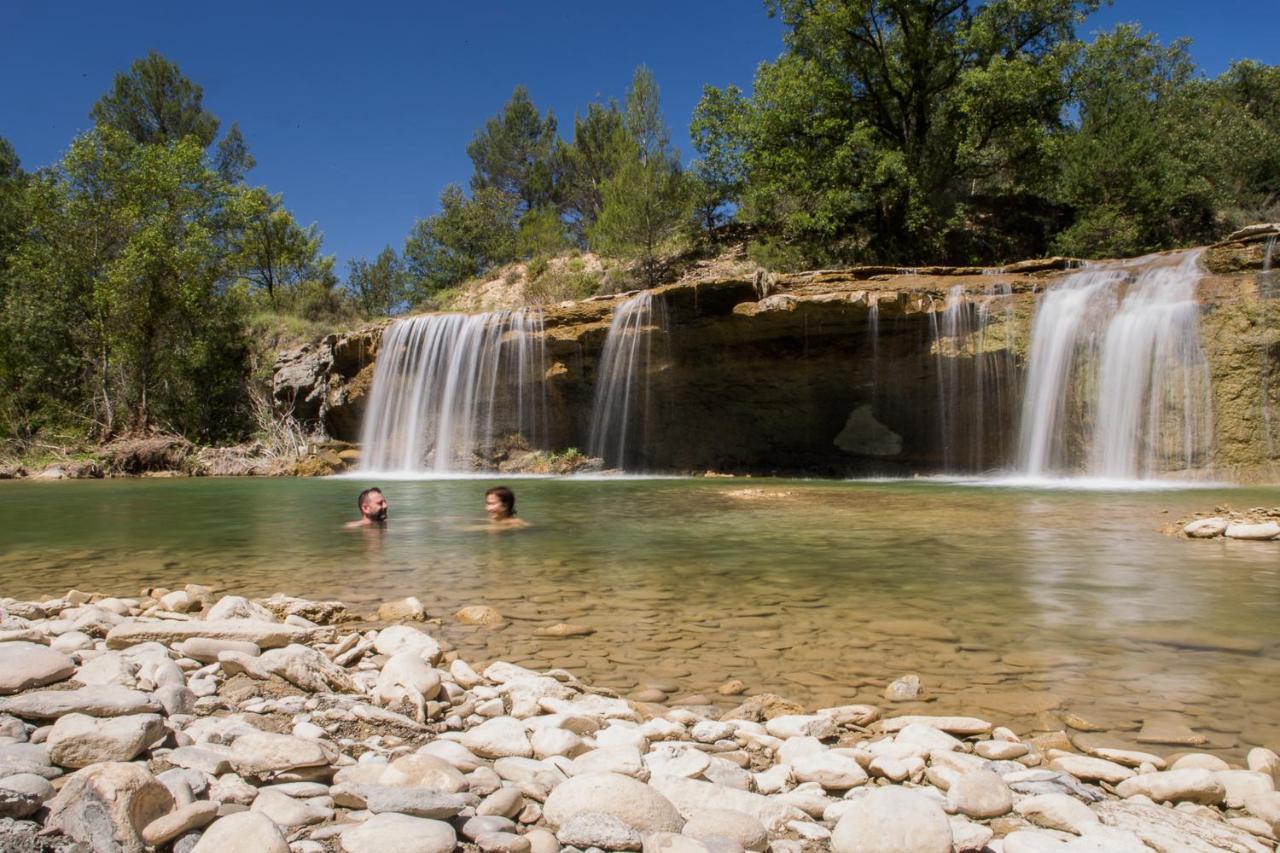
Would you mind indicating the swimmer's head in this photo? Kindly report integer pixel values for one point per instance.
(373, 506)
(500, 503)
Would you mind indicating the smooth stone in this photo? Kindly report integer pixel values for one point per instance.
(109, 803)
(598, 829)
(636, 804)
(240, 833)
(1057, 811)
(484, 824)
(542, 840)
(78, 740)
(479, 614)
(980, 794)
(503, 842)
(905, 689)
(741, 827)
(27, 665)
(308, 669)
(686, 762)
(692, 795)
(669, 842)
(397, 833)
(423, 770)
(182, 820)
(969, 836)
(997, 750)
(1240, 785)
(1206, 528)
(404, 608)
(499, 737)
(505, 802)
(1200, 761)
(1090, 769)
(406, 638)
(1265, 530)
(611, 759)
(1129, 757)
(1175, 786)
(963, 726)
(23, 794)
(287, 812)
(259, 753)
(893, 820)
(103, 700)
(801, 725)
(264, 635)
(1264, 760)
(213, 759)
(831, 770)
(454, 753)
(418, 802)
(207, 649)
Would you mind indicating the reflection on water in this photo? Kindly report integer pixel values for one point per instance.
(1025, 605)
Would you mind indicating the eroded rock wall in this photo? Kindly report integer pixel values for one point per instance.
(846, 372)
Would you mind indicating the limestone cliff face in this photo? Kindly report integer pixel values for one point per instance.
(850, 372)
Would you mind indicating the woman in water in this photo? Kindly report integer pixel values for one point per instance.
(500, 505)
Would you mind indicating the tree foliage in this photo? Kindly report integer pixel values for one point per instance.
(512, 153)
(124, 311)
(154, 103)
(647, 200)
(467, 237)
(380, 288)
(587, 163)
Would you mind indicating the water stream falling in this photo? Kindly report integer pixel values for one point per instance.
(1266, 289)
(1117, 382)
(447, 386)
(635, 349)
(975, 377)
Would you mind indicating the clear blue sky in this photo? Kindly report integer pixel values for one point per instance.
(360, 112)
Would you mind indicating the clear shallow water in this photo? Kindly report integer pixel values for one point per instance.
(1025, 605)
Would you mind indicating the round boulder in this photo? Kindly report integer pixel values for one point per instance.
(398, 833)
(726, 823)
(893, 820)
(242, 831)
(629, 800)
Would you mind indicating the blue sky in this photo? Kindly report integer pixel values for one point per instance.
(360, 113)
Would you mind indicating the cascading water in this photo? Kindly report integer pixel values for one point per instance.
(635, 348)
(1117, 382)
(1267, 289)
(447, 385)
(974, 377)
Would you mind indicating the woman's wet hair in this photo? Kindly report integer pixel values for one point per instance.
(505, 495)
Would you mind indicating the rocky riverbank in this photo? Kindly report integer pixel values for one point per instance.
(1258, 524)
(180, 721)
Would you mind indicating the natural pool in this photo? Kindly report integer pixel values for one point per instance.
(1029, 606)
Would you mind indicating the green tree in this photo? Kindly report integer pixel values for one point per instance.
(1136, 172)
(513, 153)
(585, 165)
(155, 103)
(647, 200)
(541, 233)
(379, 287)
(124, 312)
(467, 237)
(887, 127)
(274, 252)
(233, 160)
(719, 173)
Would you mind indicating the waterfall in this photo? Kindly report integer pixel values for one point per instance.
(973, 379)
(634, 349)
(446, 386)
(1117, 382)
(1266, 290)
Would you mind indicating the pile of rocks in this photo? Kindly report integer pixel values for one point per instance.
(1258, 524)
(176, 722)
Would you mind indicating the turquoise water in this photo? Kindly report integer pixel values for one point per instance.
(1025, 605)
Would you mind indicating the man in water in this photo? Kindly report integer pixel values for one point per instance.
(373, 509)
(500, 504)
